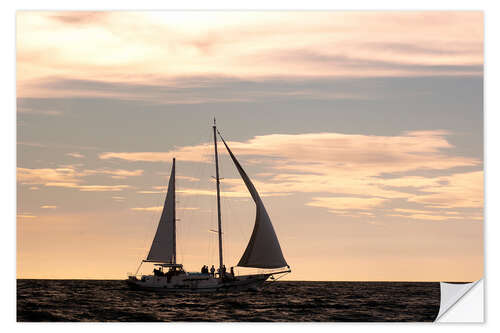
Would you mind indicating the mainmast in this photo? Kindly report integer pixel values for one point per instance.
(174, 256)
(218, 197)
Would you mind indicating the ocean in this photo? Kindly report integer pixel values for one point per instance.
(280, 301)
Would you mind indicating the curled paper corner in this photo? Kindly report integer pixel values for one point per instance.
(461, 302)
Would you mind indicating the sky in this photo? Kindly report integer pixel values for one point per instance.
(362, 131)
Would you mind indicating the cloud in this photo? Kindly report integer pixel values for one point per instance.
(314, 152)
(400, 67)
(148, 209)
(61, 184)
(458, 190)
(344, 168)
(89, 188)
(191, 154)
(47, 175)
(134, 157)
(48, 207)
(79, 17)
(246, 45)
(425, 217)
(76, 155)
(188, 178)
(102, 188)
(437, 214)
(70, 177)
(345, 203)
(160, 208)
(68, 174)
(312, 156)
(227, 194)
(198, 89)
(26, 216)
(26, 110)
(115, 174)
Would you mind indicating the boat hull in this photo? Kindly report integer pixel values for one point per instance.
(199, 283)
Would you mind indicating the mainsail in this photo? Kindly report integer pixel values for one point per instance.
(163, 247)
(263, 249)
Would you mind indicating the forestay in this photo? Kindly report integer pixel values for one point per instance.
(163, 247)
(263, 249)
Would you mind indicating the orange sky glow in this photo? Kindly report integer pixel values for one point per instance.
(362, 180)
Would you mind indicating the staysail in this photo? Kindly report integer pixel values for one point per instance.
(263, 249)
(163, 247)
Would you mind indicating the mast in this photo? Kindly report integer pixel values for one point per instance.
(174, 256)
(218, 197)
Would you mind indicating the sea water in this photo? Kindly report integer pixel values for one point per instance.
(282, 301)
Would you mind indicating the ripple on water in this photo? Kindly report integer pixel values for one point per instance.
(91, 300)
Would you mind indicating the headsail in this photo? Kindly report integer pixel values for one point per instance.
(163, 247)
(263, 249)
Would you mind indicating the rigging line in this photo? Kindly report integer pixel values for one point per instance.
(186, 202)
(232, 213)
(271, 282)
(229, 207)
(208, 200)
(194, 199)
(154, 216)
(231, 218)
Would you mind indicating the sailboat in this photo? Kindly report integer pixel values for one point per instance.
(262, 252)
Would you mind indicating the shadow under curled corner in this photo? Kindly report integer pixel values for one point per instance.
(461, 302)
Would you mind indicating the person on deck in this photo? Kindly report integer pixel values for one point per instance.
(232, 272)
(212, 270)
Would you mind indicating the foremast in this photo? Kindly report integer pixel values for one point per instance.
(174, 219)
(217, 179)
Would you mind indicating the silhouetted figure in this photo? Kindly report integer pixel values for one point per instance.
(169, 274)
(232, 271)
(212, 270)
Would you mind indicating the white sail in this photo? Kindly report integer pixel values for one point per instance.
(263, 249)
(163, 247)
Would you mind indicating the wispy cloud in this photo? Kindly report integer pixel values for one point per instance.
(26, 216)
(159, 208)
(44, 112)
(79, 18)
(102, 188)
(245, 44)
(345, 203)
(76, 155)
(459, 190)
(48, 206)
(116, 174)
(70, 177)
(348, 168)
(187, 178)
(68, 174)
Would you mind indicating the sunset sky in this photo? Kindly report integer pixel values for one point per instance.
(362, 131)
